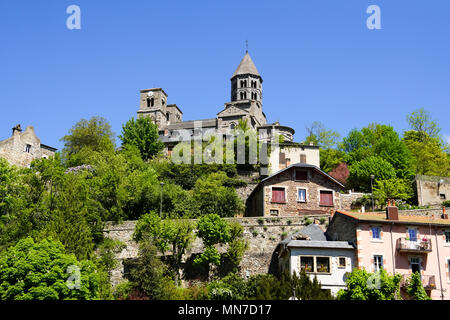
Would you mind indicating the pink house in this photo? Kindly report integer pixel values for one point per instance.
(399, 244)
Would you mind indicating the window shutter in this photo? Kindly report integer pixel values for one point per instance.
(282, 159)
(278, 195)
(326, 198)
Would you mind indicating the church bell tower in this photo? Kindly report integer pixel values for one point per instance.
(246, 82)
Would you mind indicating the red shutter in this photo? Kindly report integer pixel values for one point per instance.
(278, 195)
(326, 198)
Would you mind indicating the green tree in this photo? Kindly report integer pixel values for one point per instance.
(361, 171)
(392, 189)
(175, 235)
(415, 288)
(237, 245)
(319, 135)
(143, 134)
(331, 158)
(41, 271)
(85, 137)
(149, 273)
(363, 285)
(421, 122)
(428, 156)
(379, 141)
(212, 229)
(213, 197)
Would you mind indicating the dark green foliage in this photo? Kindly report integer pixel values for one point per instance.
(415, 288)
(149, 275)
(213, 197)
(143, 134)
(85, 137)
(360, 172)
(379, 141)
(267, 287)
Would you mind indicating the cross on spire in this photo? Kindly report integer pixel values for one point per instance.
(246, 46)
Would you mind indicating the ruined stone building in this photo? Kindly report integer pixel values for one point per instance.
(23, 147)
(246, 102)
(431, 190)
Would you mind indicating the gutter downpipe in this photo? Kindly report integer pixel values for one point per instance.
(392, 251)
(439, 263)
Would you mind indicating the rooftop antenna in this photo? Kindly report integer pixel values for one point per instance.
(246, 46)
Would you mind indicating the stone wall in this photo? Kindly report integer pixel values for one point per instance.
(262, 234)
(432, 190)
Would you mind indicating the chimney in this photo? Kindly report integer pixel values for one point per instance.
(444, 215)
(391, 212)
(17, 128)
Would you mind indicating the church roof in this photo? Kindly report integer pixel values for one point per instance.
(246, 67)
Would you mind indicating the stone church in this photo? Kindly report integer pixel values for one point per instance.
(245, 103)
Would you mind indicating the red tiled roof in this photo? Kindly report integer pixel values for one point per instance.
(381, 217)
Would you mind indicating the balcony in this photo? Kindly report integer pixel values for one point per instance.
(428, 282)
(419, 246)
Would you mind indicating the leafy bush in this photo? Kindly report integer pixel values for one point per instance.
(44, 271)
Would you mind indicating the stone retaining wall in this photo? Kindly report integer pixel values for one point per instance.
(262, 234)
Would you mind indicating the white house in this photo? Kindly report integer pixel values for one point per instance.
(328, 260)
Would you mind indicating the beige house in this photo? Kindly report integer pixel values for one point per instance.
(298, 189)
(23, 147)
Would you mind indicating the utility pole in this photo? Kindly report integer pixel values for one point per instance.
(371, 188)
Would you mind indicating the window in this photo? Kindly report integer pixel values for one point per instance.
(376, 233)
(326, 198)
(341, 262)
(232, 126)
(377, 263)
(442, 196)
(162, 101)
(288, 162)
(415, 264)
(307, 264)
(28, 148)
(448, 267)
(301, 195)
(412, 234)
(301, 175)
(323, 264)
(447, 237)
(274, 212)
(150, 102)
(278, 195)
(303, 158)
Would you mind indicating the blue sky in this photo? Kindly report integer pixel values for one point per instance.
(318, 60)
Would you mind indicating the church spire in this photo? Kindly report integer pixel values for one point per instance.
(246, 67)
(246, 82)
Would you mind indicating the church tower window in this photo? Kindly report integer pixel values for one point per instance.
(150, 102)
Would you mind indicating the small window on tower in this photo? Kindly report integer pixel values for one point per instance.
(162, 101)
(28, 148)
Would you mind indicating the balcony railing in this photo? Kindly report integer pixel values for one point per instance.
(428, 282)
(405, 245)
